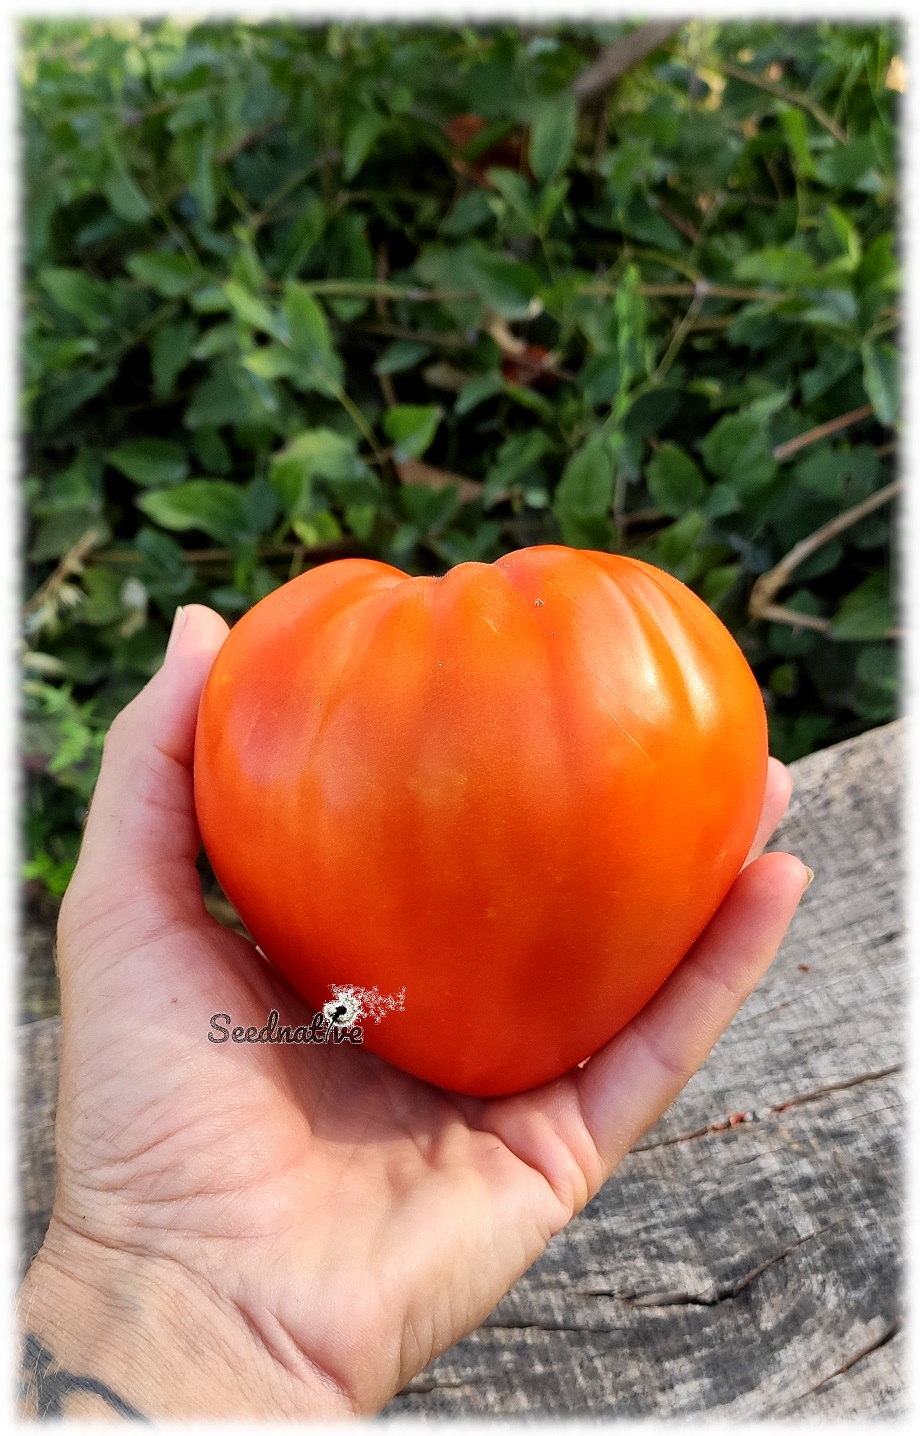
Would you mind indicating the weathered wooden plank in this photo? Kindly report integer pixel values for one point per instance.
(732, 1274)
(744, 1270)
(840, 1017)
(808, 1191)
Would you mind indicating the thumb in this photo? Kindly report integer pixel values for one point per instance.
(141, 836)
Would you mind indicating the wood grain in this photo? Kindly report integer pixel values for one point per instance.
(745, 1259)
(746, 1270)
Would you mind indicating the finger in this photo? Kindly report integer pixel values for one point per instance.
(141, 829)
(777, 793)
(632, 1081)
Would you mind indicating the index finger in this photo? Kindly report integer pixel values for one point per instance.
(776, 797)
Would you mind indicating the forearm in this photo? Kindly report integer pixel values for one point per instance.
(105, 1333)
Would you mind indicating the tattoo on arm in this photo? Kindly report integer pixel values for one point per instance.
(48, 1388)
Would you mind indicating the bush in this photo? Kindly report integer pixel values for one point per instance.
(296, 292)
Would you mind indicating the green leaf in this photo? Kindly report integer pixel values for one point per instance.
(792, 738)
(259, 507)
(477, 389)
(150, 462)
(516, 193)
(250, 309)
(211, 505)
(737, 450)
(361, 519)
(211, 451)
(317, 364)
(217, 400)
(219, 339)
(401, 355)
(626, 166)
(77, 293)
(172, 275)
(429, 510)
(125, 196)
(316, 453)
(785, 266)
(272, 361)
(359, 142)
(642, 220)
(170, 351)
(584, 495)
(674, 481)
(866, 613)
(552, 138)
(791, 641)
(878, 666)
(795, 128)
(412, 428)
(304, 235)
(675, 546)
(320, 528)
(845, 234)
(517, 460)
(103, 601)
(58, 533)
(844, 166)
(65, 398)
(507, 285)
(470, 213)
(881, 377)
(719, 582)
(203, 185)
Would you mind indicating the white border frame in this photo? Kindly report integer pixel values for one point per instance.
(528, 11)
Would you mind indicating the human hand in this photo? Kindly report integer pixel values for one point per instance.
(280, 1231)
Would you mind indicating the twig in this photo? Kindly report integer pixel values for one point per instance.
(643, 516)
(681, 332)
(380, 306)
(761, 605)
(677, 221)
(804, 102)
(370, 289)
(360, 423)
(70, 564)
(341, 548)
(421, 336)
(714, 291)
(822, 431)
(615, 60)
(413, 471)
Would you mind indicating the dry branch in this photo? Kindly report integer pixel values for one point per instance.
(792, 97)
(761, 603)
(822, 431)
(616, 60)
(70, 564)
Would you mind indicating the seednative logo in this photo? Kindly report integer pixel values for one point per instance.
(348, 1004)
(339, 1021)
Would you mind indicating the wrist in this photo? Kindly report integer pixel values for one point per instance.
(111, 1333)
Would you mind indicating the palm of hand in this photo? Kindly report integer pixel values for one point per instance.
(357, 1220)
(302, 1178)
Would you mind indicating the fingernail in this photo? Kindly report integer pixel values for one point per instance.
(811, 877)
(178, 624)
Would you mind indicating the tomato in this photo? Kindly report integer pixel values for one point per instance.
(519, 792)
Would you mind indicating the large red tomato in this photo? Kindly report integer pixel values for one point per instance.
(519, 792)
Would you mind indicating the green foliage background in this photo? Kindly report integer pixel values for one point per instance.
(260, 278)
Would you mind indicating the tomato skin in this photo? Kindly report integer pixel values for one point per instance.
(519, 791)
